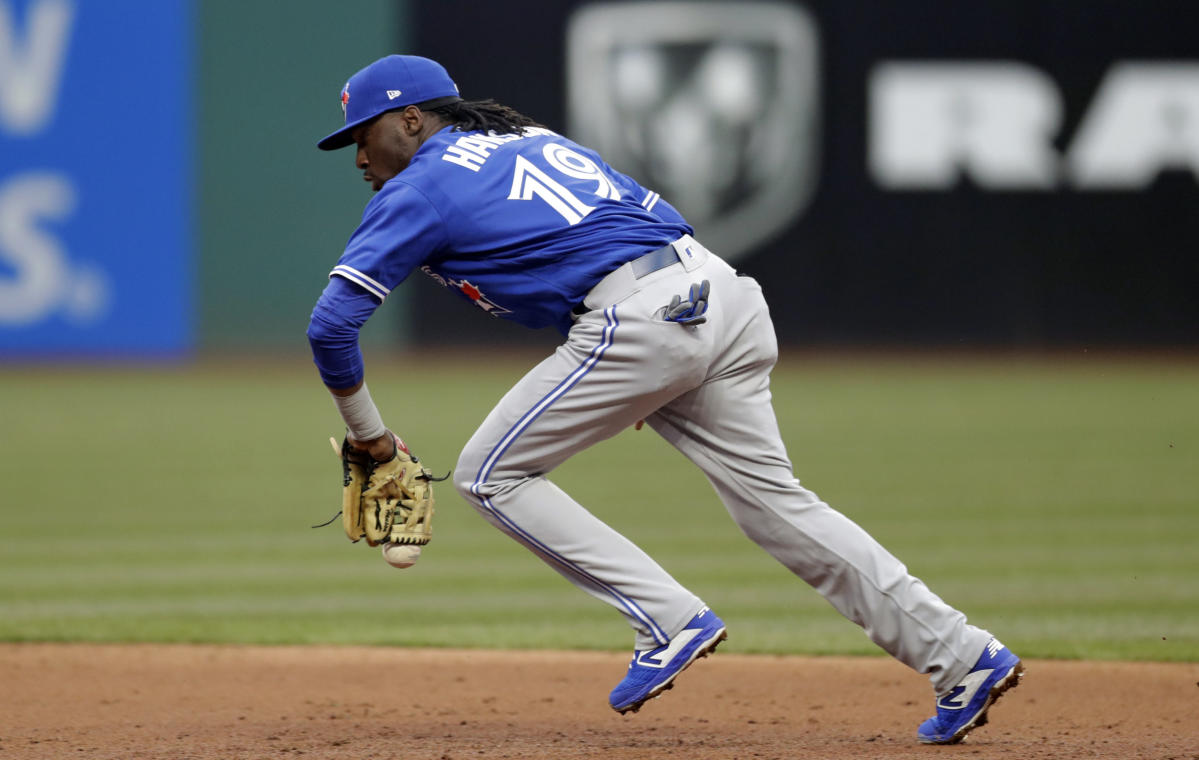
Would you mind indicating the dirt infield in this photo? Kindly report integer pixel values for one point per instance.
(179, 702)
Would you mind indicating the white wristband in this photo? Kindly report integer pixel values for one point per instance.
(360, 414)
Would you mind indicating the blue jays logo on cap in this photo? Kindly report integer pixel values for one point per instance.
(388, 84)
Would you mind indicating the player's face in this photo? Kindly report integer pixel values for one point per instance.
(384, 148)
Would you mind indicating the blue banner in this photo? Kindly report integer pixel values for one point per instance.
(96, 148)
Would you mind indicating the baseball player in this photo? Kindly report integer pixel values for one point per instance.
(532, 227)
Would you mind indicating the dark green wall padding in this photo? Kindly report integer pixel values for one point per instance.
(274, 212)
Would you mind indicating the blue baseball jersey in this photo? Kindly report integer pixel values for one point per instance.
(522, 225)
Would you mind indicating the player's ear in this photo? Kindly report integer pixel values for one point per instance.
(413, 119)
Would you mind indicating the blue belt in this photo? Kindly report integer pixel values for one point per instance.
(642, 266)
(653, 261)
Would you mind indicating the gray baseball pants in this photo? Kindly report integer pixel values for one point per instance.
(706, 390)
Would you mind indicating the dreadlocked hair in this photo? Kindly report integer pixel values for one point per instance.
(485, 116)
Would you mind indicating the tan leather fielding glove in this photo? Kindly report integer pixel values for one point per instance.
(355, 468)
(387, 502)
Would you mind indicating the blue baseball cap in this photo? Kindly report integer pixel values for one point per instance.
(389, 84)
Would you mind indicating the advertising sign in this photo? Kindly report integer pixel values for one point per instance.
(999, 172)
(95, 177)
(714, 104)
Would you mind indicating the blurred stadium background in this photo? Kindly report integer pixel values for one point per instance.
(976, 223)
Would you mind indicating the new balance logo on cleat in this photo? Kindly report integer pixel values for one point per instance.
(660, 658)
(964, 707)
(653, 671)
(960, 695)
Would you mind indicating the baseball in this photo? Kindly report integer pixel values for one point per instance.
(401, 555)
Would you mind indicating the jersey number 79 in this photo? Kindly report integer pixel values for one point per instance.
(528, 181)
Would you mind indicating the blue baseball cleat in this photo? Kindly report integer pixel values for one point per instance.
(653, 671)
(964, 707)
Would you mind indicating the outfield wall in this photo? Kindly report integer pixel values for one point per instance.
(1004, 172)
(274, 211)
(1000, 171)
(160, 188)
(96, 182)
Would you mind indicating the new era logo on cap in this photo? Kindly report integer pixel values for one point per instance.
(393, 94)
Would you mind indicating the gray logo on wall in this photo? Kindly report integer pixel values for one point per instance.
(712, 104)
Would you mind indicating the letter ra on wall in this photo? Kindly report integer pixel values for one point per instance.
(932, 123)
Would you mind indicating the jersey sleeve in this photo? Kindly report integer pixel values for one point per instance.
(400, 228)
(333, 330)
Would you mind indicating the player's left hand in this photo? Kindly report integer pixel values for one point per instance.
(386, 501)
(691, 311)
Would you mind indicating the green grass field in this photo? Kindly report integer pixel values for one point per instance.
(1054, 500)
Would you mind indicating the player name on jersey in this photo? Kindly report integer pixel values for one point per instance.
(472, 151)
